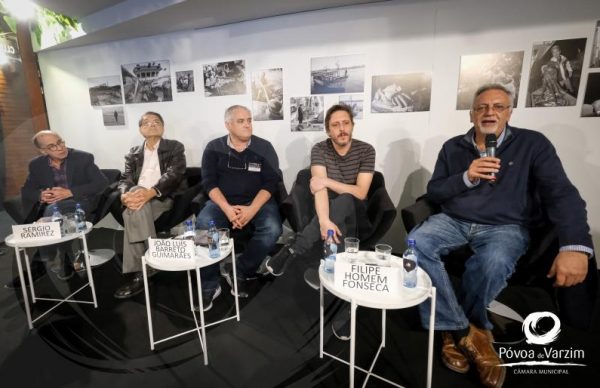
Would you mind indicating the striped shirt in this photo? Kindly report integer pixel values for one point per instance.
(344, 169)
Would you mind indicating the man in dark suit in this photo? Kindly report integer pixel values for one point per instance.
(60, 177)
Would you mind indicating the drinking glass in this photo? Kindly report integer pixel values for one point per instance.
(351, 245)
(224, 238)
(383, 252)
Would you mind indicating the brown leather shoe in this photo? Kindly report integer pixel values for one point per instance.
(452, 357)
(477, 346)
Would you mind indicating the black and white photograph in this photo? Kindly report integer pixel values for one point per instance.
(355, 102)
(339, 74)
(105, 90)
(185, 81)
(307, 114)
(401, 93)
(595, 57)
(479, 69)
(147, 82)
(555, 73)
(591, 99)
(225, 78)
(267, 94)
(113, 116)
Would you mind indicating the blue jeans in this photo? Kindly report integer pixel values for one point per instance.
(496, 251)
(267, 229)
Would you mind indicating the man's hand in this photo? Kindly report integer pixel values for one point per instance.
(317, 184)
(244, 214)
(482, 167)
(569, 268)
(134, 200)
(325, 226)
(55, 194)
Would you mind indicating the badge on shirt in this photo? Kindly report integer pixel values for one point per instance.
(254, 167)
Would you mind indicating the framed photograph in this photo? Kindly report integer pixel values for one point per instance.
(499, 68)
(339, 74)
(225, 78)
(147, 82)
(355, 102)
(595, 57)
(113, 116)
(267, 95)
(401, 93)
(555, 73)
(591, 99)
(185, 81)
(105, 90)
(307, 114)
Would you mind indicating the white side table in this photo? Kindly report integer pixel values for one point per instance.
(406, 298)
(20, 247)
(200, 260)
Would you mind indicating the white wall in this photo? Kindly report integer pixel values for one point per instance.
(396, 37)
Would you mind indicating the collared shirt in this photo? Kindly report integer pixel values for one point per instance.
(230, 144)
(59, 174)
(150, 174)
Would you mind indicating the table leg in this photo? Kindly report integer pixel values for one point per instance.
(321, 311)
(352, 340)
(28, 267)
(383, 328)
(23, 287)
(205, 345)
(234, 274)
(148, 310)
(88, 267)
(431, 329)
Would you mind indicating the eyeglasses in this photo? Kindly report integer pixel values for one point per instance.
(54, 147)
(237, 164)
(151, 122)
(498, 108)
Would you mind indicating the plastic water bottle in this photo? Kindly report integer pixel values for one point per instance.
(330, 250)
(80, 218)
(213, 241)
(57, 217)
(409, 263)
(190, 231)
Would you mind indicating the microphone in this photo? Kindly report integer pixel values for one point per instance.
(490, 148)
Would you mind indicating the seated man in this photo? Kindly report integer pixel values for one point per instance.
(240, 173)
(490, 207)
(153, 173)
(60, 177)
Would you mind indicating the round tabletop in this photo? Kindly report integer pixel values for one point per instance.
(406, 297)
(200, 260)
(11, 242)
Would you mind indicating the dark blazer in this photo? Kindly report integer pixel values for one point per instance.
(171, 158)
(84, 178)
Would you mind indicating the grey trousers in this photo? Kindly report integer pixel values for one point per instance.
(139, 225)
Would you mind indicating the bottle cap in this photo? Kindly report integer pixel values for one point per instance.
(411, 241)
(330, 232)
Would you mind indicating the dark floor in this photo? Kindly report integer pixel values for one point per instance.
(274, 345)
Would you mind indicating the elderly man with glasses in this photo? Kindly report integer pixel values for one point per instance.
(60, 177)
(240, 174)
(153, 172)
(488, 203)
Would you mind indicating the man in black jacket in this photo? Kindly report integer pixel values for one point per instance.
(60, 177)
(153, 173)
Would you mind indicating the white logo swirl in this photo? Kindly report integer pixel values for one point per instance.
(530, 328)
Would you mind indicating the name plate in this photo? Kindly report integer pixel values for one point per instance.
(362, 277)
(41, 231)
(170, 249)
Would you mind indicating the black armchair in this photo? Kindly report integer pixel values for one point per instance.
(182, 200)
(299, 209)
(576, 305)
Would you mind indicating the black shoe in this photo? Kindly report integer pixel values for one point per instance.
(66, 272)
(311, 277)
(37, 272)
(341, 324)
(207, 298)
(242, 285)
(132, 288)
(277, 264)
